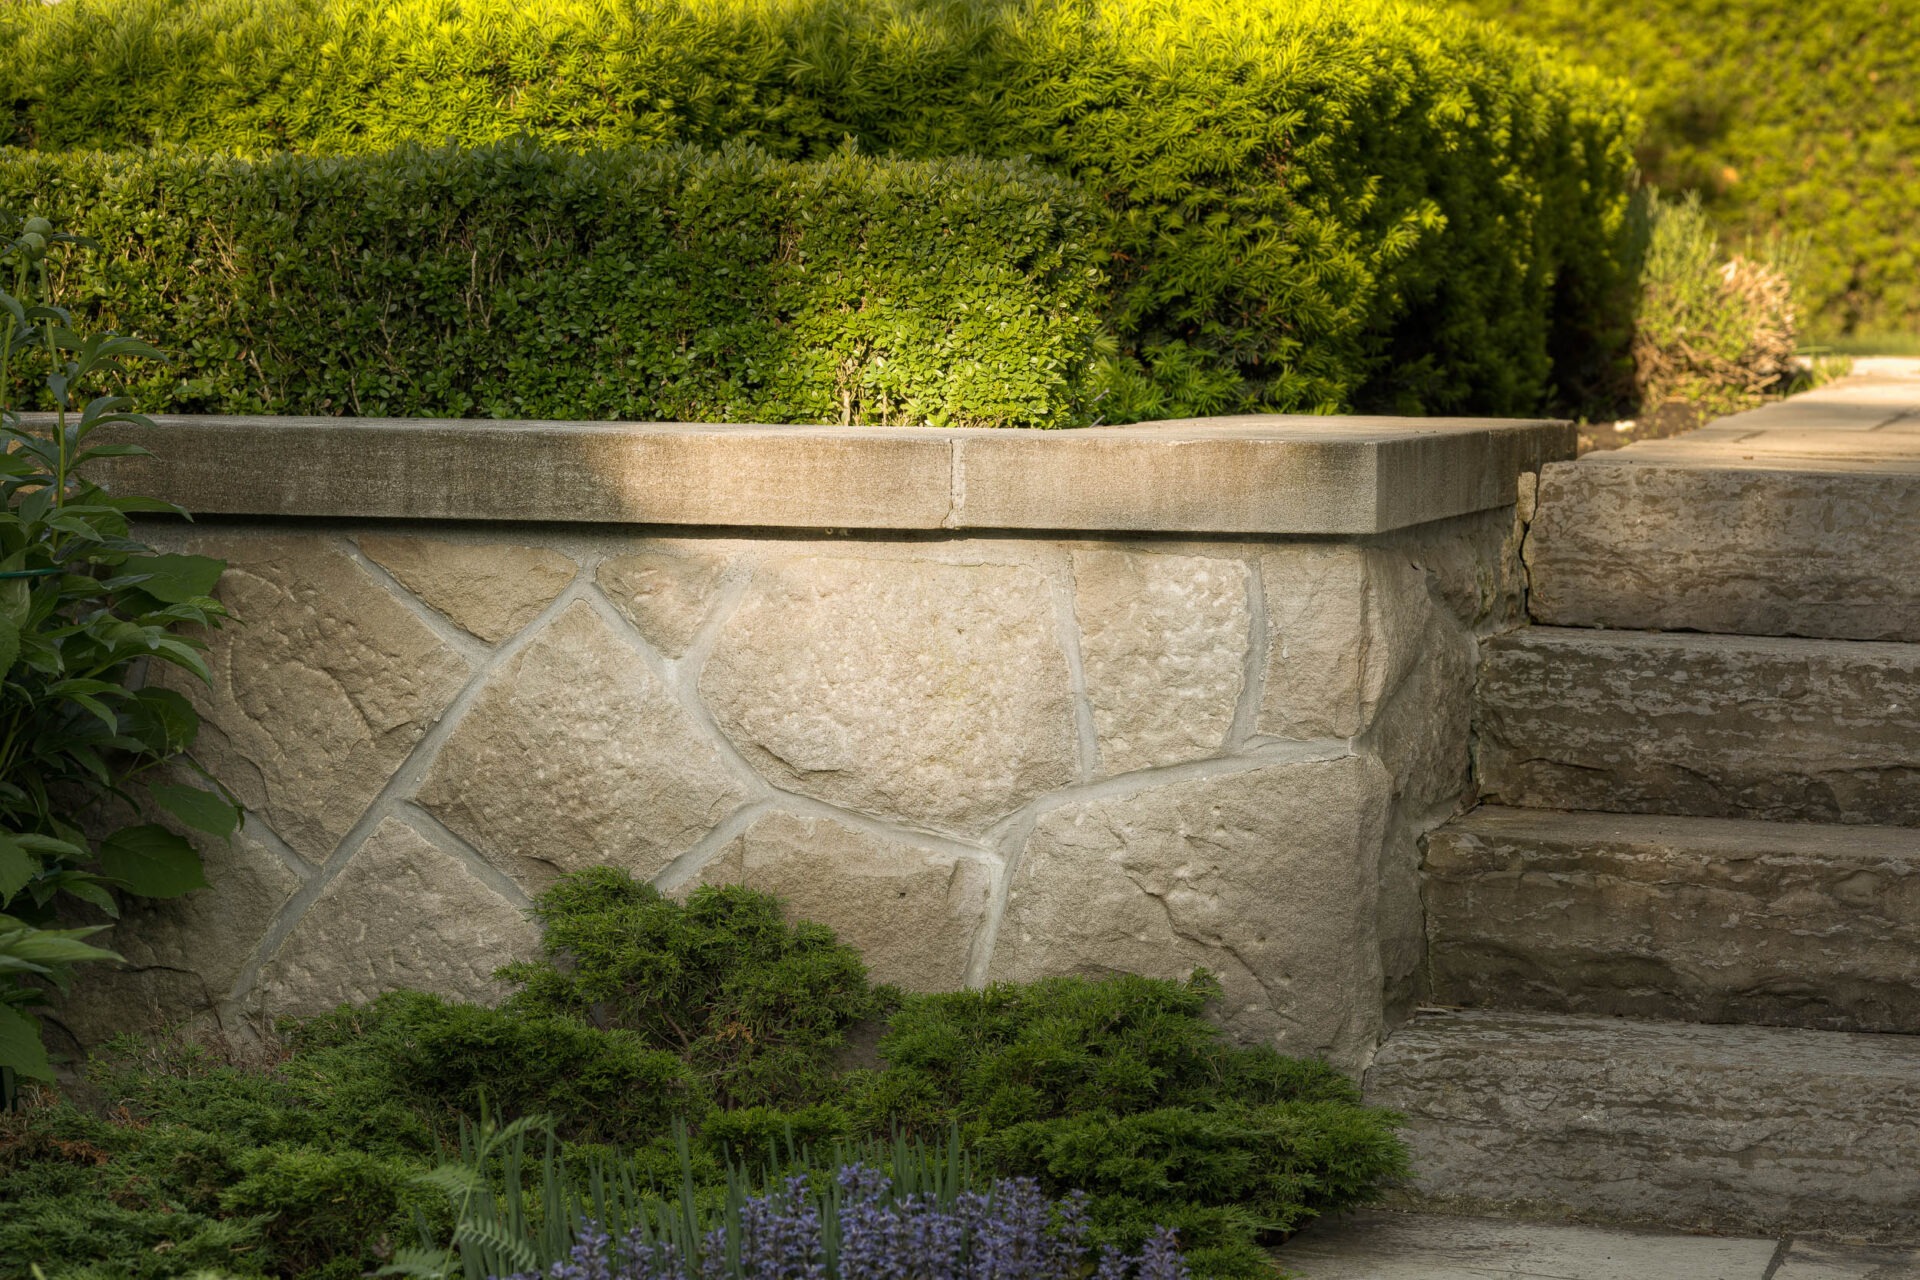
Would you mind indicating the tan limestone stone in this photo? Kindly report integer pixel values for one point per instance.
(402, 913)
(1345, 624)
(1265, 877)
(1694, 919)
(911, 912)
(323, 691)
(1163, 640)
(491, 589)
(666, 595)
(934, 694)
(575, 754)
(183, 955)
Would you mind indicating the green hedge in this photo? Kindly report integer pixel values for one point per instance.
(520, 281)
(1790, 117)
(1349, 203)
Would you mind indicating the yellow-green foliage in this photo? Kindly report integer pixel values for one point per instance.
(1308, 204)
(1794, 116)
(521, 281)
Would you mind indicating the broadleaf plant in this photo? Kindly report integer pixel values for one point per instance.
(85, 608)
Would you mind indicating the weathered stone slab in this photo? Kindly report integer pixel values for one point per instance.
(912, 912)
(491, 589)
(1696, 919)
(401, 913)
(1722, 549)
(1164, 642)
(1261, 474)
(575, 754)
(1814, 1260)
(183, 955)
(1715, 726)
(665, 594)
(928, 693)
(1374, 1245)
(1345, 623)
(1266, 877)
(324, 690)
(1720, 1128)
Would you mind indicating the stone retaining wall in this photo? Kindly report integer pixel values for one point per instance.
(975, 753)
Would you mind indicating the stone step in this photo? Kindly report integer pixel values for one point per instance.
(1812, 543)
(1689, 919)
(1788, 730)
(1767, 1130)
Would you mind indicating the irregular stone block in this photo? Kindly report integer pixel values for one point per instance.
(183, 955)
(401, 913)
(1727, 549)
(1699, 919)
(1344, 624)
(666, 595)
(1760, 1130)
(1472, 564)
(574, 755)
(1715, 726)
(933, 694)
(1164, 642)
(322, 693)
(490, 589)
(1266, 877)
(911, 912)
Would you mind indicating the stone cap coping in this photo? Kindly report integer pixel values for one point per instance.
(1256, 474)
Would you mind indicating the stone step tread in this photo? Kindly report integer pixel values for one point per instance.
(1758, 543)
(1700, 919)
(1728, 1128)
(1781, 729)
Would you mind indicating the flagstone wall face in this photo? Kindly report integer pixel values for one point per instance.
(975, 757)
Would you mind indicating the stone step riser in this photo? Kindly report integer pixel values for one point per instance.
(1691, 919)
(1785, 730)
(1729, 1129)
(1770, 552)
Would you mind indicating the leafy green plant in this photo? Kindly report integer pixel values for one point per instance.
(82, 604)
(1714, 331)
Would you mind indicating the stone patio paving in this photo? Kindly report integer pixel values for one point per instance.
(1408, 1246)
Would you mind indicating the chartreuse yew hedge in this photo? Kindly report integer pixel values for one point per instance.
(520, 281)
(1789, 117)
(1305, 204)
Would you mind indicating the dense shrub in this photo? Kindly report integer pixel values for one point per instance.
(1789, 118)
(647, 1013)
(520, 282)
(1716, 332)
(1306, 205)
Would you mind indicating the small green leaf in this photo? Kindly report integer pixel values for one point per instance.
(17, 866)
(152, 861)
(20, 1045)
(201, 810)
(176, 579)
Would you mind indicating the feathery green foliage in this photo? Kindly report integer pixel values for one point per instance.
(649, 1020)
(1788, 117)
(1306, 204)
(516, 281)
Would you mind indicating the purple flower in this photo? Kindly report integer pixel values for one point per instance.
(1012, 1232)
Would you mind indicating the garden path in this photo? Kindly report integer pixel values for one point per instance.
(1408, 1246)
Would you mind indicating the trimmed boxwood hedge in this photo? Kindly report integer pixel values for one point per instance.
(1790, 117)
(1306, 204)
(520, 281)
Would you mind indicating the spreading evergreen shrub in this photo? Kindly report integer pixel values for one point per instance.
(517, 281)
(646, 1015)
(1790, 118)
(1307, 204)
